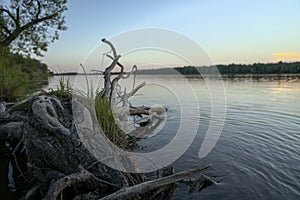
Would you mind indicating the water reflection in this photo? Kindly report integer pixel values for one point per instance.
(257, 156)
(261, 77)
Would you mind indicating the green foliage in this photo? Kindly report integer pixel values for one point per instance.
(106, 118)
(256, 68)
(64, 86)
(30, 26)
(13, 82)
(260, 68)
(16, 72)
(63, 90)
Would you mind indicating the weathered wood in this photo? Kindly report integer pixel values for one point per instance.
(146, 110)
(125, 97)
(111, 46)
(58, 186)
(43, 110)
(110, 85)
(129, 192)
(133, 111)
(116, 79)
(121, 75)
(108, 70)
(2, 106)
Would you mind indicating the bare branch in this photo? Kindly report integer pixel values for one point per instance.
(136, 89)
(10, 15)
(107, 72)
(113, 64)
(82, 176)
(5, 28)
(95, 70)
(125, 97)
(111, 46)
(118, 89)
(119, 64)
(129, 192)
(107, 76)
(66, 181)
(134, 69)
(124, 76)
(38, 9)
(115, 82)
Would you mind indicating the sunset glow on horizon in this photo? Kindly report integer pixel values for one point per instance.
(286, 56)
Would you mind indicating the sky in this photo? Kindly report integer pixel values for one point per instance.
(229, 31)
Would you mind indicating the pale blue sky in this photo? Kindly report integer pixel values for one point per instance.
(239, 31)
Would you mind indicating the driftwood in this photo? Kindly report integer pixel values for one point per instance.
(147, 110)
(132, 191)
(119, 97)
(108, 70)
(57, 187)
(2, 106)
(125, 96)
(110, 85)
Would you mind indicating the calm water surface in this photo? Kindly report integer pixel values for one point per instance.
(258, 153)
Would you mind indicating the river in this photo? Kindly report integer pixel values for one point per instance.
(257, 155)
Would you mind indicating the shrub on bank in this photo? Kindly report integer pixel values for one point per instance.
(13, 81)
(16, 72)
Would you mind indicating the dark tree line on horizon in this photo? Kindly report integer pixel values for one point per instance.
(256, 68)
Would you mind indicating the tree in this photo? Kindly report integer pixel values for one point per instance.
(29, 26)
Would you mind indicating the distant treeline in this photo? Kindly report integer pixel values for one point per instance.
(76, 73)
(256, 68)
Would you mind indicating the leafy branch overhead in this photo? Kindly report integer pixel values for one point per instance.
(29, 26)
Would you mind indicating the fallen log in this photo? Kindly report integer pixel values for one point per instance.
(129, 192)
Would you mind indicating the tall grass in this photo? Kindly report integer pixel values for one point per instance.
(102, 110)
(106, 118)
(63, 89)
